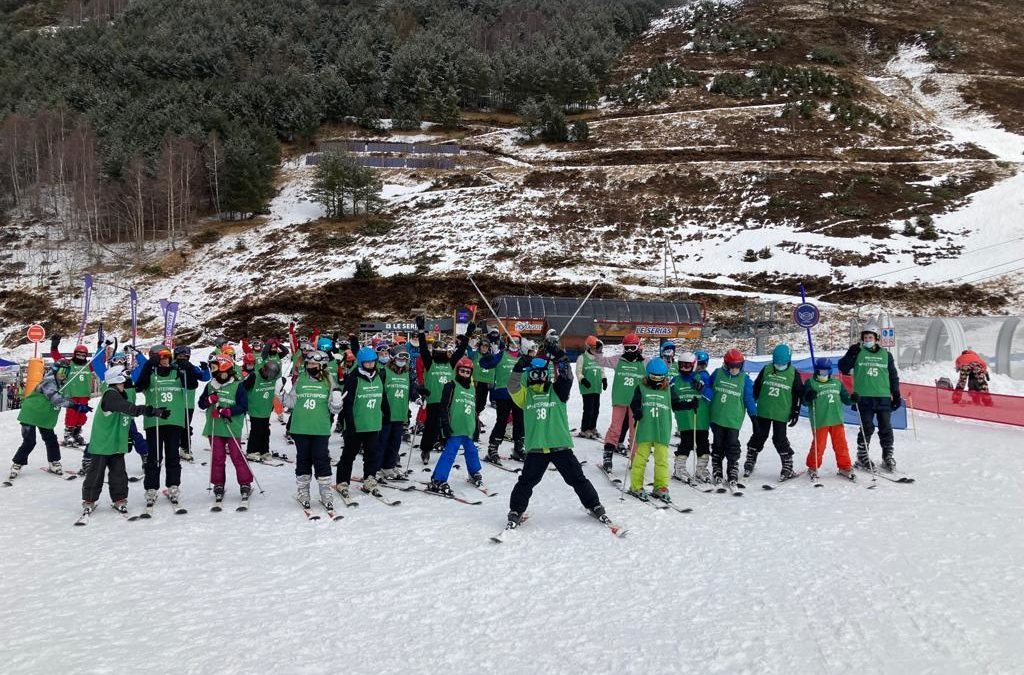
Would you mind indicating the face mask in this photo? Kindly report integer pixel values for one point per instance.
(822, 377)
(384, 359)
(734, 370)
(869, 344)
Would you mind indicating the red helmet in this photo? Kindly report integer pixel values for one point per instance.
(631, 339)
(464, 362)
(592, 341)
(81, 349)
(222, 363)
(733, 357)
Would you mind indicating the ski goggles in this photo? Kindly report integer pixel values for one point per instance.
(630, 349)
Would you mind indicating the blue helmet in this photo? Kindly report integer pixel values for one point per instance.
(365, 354)
(657, 368)
(325, 344)
(781, 356)
(823, 364)
(668, 347)
(538, 363)
(702, 357)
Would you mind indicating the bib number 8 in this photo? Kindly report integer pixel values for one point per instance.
(725, 398)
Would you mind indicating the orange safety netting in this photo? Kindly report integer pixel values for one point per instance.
(975, 405)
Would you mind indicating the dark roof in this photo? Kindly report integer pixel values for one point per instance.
(633, 311)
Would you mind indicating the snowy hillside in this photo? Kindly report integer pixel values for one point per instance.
(897, 579)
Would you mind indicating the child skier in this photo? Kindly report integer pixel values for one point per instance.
(484, 379)
(692, 423)
(109, 442)
(438, 364)
(77, 387)
(365, 409)
(502, 360)
(877, 385)
(312, 399)
(652, 406)
(547, 438)
(730, 391)
(39, 410)
(225, 402)
(629, 370)
(458, 421)
(825, 396)
(395, 371)
(778, 389)
(200, 373)
(261, 388)
(590, 375)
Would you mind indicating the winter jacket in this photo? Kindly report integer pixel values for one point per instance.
(350, 384)
(849, 360)
(241, 398)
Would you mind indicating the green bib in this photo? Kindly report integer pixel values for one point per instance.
(220, 427)
(656, 424)
(462, 413)
(109, 433)
(79, 382)
(396, 387)
(310, 415)
(261, 396)
(546, 421)
(504, 370)
(592, 373)
(438, 375)
(627, 378)
(366, 406)
(727, 409)
(165, 392)
(37, 410)
(776, 399)
(485, 375)
(685, 418)
(871, 373)
(828, 406)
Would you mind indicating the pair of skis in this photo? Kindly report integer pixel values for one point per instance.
(310, 515)
(613, 527)
(653, 500)
(147, 512)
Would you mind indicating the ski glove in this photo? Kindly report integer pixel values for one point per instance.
(424, 392)
(81, 407)
(897, 401)
(212, 398)
(421, 322)
(855, 397)
(794, 418)
(604, 385)
(446, 429)
(585, 382)
(692, 404)
(336, 399)
(810, 395)
(162, 413)
(225, 412)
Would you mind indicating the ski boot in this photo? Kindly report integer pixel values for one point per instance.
(599, 513)
(888, 461)
(397, 474)
(864, 462)
(751, 461)
(69, 438)
(55, 467)
(679, 471)
(245, 491)
(787, 469)
(848, 474)
(15, 468)
(606, 462)
(621, 449)
(218, 494)
(701, 473)
(425, 457)
(440, 487)
(76, 432)
(517, 451)
(513, 520)
(174, 493)
(812, 474)
(640, 494)
(252, 457)
(121, 506)
(369, 485)
(303, 490)
(323, 484)
(716, 479)
(492, 454)
(186, 456)
(150, 498)
(288, 438)
(86, 462)
(477, 480)
(661, 493)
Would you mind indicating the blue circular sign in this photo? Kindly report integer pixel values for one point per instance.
(806, 315)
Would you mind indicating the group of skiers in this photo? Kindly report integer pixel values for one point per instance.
(366, 391)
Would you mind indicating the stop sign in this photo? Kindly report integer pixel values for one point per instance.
(36, 333)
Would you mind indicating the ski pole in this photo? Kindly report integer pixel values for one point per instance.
(592, 289)
(493, 313)
(913, 421)
(412, 441)
(814, 436)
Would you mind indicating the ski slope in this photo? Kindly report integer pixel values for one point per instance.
(898, 579)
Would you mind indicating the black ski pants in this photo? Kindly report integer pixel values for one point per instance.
(259, 435)
(699, 440)
(312, 456)
(536, 466)
(763, 425)
(28, 443)
(872, 409)
(366, 441)
(726, 445)
(164, 442)
(591, 409)
(431, 428)
(504, 406)
(186, 433)
(390, 443)
(111, 467)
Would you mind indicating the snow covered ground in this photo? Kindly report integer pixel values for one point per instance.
(898, 579)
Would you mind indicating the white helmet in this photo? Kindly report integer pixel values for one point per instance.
(688, 357)
(871, 327)
(115, 375)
